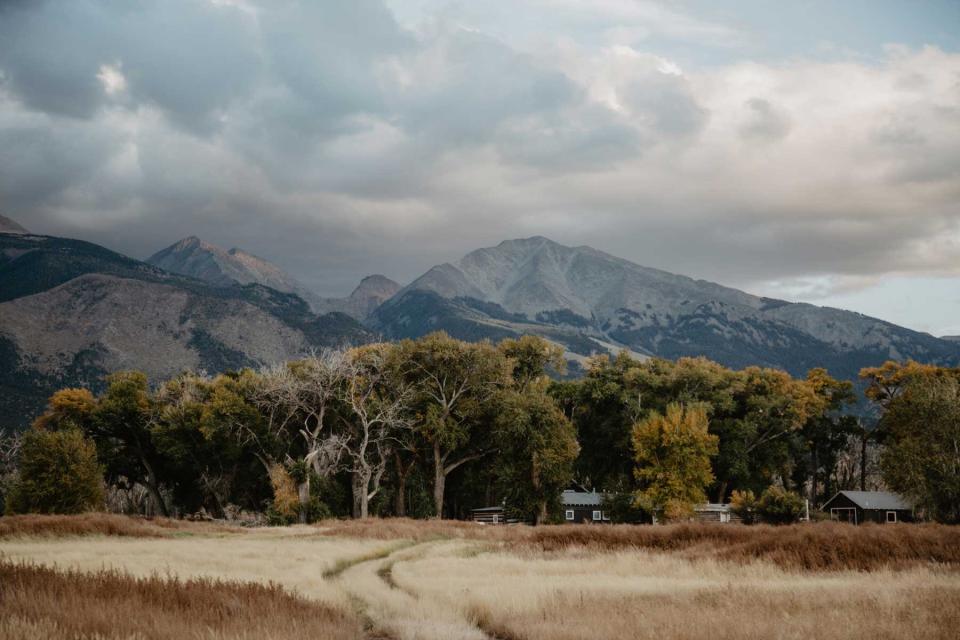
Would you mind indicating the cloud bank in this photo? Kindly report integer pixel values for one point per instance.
(339, 138)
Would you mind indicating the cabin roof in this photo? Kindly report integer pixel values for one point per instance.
(572, 498)
(882, 500)
(487, 509)
(712, 506)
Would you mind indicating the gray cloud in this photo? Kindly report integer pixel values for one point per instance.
(336, 141)
(764, 122)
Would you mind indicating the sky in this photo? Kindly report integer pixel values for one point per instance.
(807, 150)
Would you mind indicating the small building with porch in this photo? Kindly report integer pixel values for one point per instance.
(858, 507)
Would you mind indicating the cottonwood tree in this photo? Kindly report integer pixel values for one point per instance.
(826, 432)
(195, 426)
(537, 446)
(673, 452)
(536, 442)
(452, 381)
(375, 410)
(921, 455)
(297, 400)
(120, 425)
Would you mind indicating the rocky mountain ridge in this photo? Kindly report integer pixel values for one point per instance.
(225, 267)
(72, 312)
(591, 301)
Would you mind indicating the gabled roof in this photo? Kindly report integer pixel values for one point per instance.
(571, 498)
(883, 500)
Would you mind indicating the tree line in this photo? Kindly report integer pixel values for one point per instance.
(435, 426)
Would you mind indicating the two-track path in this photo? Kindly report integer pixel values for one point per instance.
(390, 611)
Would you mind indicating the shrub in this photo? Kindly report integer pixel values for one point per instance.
(744, 505)
(58, 473)
(779, 506)
(286, 501)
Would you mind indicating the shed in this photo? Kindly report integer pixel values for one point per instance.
(714, 512)
(583, 506)
(488, 515)
(858, 507)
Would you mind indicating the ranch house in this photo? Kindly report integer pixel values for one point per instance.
(858, 507)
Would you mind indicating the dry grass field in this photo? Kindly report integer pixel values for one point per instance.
(112, 577)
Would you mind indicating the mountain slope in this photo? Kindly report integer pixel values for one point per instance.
(580, 296)
(221, 267)
(71, 312)
(372, 292)
(9, 226)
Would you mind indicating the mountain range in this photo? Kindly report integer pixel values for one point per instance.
(220, 267)
(72, 311)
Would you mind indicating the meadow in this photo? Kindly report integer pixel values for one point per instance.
(99, 576)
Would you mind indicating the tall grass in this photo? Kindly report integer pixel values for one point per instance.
(38, 602)
(105, 524)
(824, 546)
(812, 547)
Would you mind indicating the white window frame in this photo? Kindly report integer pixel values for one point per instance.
(606, 516)
(597, 516)
(569, 515)
(891, 513)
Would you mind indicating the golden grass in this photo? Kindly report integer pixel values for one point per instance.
(86, 524)
(826, 546)
(291, 556)
(411, 580)
(577, 593)
(39, 602)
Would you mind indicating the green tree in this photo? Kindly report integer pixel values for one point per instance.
(825, 433)
(673, 452)
(537, 446)
(531, 357)
(195, 428)
(452, 382)
(120, 426)
(921, 435)
(58, 473)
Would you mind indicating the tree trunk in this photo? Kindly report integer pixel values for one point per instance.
(153, 487)
(863, 461)
(401, 501)
(541, 516)
(439, 481)
(721, 491)
(303, 494)
(361, 495)
(813, 479)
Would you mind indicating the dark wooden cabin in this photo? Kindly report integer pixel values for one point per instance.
(583, 506)
(858, 507)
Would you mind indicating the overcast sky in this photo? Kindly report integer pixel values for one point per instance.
(807, 150)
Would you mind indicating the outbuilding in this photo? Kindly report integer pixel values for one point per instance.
(715, 512)
(583, 506)
(488, 515)
(858, 507)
